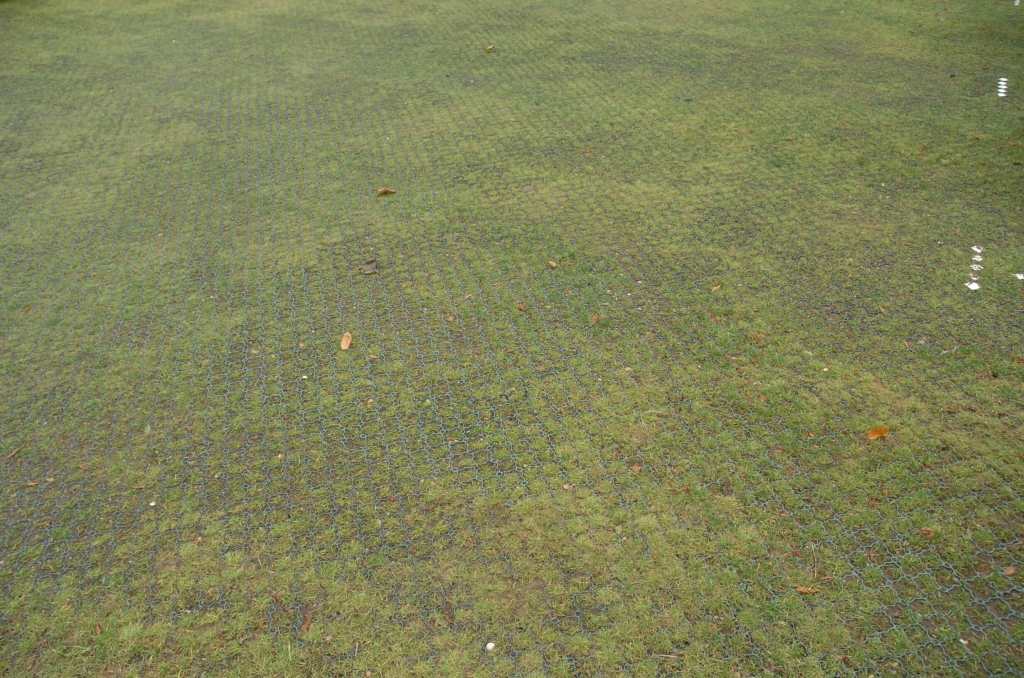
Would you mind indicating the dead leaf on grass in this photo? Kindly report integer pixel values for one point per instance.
(636, 468)
(369, 268)
(522, 307)
(1010, 571)
(1018, 360)
(306, 623)
(876, 433)
(346, 341)
(386, 191)
(808, 590)
(594, 319)
(489, 48)
(567, 486)
(881, 309)
(927, 533)
(716, 288)
(552, 265)
(451, 318)
(97, 630)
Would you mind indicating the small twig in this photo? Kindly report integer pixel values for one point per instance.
(814, 567)
(14, 451)
(356, 653)
(667, 656)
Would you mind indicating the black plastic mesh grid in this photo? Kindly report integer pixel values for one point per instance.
(613, 466)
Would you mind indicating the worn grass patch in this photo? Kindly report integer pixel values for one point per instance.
(650, 459)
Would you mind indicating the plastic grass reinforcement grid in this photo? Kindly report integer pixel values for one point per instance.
(650, 459)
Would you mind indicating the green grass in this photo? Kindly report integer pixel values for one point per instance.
(769, 208)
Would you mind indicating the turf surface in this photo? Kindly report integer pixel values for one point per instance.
(649, 459)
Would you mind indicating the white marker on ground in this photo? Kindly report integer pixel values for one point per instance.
(973, 286)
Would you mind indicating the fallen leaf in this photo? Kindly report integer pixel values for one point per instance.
(881, 309)
(306, 623)
(1010, 571)
(923, 149)
(346, 341)
(636, 468)
(369, 268)
(522, 307)
(567, 486)
(97, 630)
(876, 433)
(199, 540)
(977, 138)
(1015, 359)
(31, 484)
(82, 467)
(810, 434)
(927, 533)
(489, 48)
(386, 191)
(451, 318)
(594, 319)
(716, 288)
(808, 590)
(373, 357)
(552, 265)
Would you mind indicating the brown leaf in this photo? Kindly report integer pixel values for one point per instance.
(552, 265)
(1010, 571)
(97, 630)
(716, 288)
(876, 433)
(881, 309)
(451, 318)
(594, 319)
(1015, 359)
(927, 533)
(306, 623)
(31, 484)
(977, 138)
(386, 191)
(346, 341)
(567, 486)
(636, 468)
(489, 48)
(369, 268)
(522, 307)
(808, 590)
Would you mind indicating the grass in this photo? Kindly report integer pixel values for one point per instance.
(762, 216)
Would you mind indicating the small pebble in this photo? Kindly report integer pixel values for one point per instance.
(152, 503)
(489, 646)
